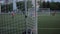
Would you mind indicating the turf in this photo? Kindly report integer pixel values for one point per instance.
(49, 24)
(46, 24)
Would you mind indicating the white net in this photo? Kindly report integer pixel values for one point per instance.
(32, 19)
(15, 19)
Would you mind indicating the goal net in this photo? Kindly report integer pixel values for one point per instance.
(18, 17)
(44, 12)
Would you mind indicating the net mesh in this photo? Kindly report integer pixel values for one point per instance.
(13, 19)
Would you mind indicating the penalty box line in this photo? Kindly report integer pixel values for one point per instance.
(48, 28)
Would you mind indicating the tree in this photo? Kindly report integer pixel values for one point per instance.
(48, 4)
(20, 6)
(44, 4)
(7, 7)
(51, 5)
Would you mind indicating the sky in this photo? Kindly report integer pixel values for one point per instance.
(57, 0)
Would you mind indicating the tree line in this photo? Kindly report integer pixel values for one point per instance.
(20, 6)
(51, 5)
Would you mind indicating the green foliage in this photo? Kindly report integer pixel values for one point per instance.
(6, 8)
(20, 6)
(44, 4)
(55, 6)
(48, 4)
(51, 5)
(29, 4)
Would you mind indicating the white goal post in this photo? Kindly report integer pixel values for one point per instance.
(44, 12)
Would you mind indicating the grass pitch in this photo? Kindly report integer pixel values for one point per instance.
(46, 24)
(49, 24)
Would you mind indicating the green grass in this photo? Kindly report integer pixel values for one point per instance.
(17, 24)
(49, 24)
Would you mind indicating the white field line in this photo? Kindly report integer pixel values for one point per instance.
(48, 28)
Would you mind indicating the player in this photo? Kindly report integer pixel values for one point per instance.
(54, 13)
(13, 14)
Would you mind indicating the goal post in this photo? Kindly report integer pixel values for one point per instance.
(32, 13)
(24, 19)
(44, 12)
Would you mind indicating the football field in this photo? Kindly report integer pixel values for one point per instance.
(46, 24)
(49, 24)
